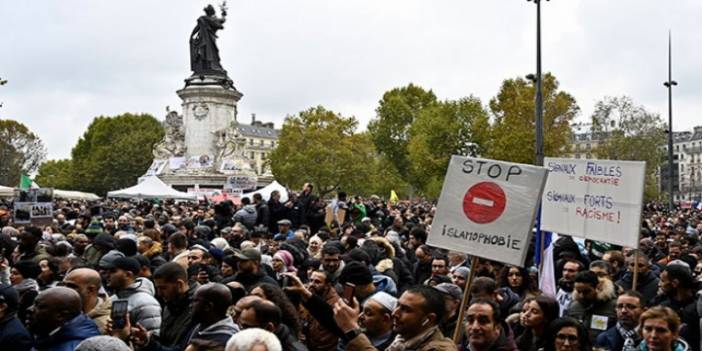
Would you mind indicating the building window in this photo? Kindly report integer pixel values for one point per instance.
(261, 142)
(252, 155)
(251, 141)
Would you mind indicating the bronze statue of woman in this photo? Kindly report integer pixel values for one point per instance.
(204, 54)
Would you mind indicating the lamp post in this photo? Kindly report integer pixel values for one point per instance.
(670, 84)
(539, 94)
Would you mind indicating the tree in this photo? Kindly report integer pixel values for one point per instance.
(21, 151)
(56, 174)
(320, 147)
(446, 128)
(629, 132)
(396, 112)
(114, 152)
(513, 136)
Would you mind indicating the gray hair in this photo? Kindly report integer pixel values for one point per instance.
(102, 343)
(246, 339)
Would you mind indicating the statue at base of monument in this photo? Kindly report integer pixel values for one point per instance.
(173, 142)
(229, 147)
(204, 54)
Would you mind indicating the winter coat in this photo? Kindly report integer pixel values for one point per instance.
(288, 340)
(176, 322)
(143, 307)
(319, 338)
(100, 314)
(13, 335)
(249, 281)
(611, 340)
(263, 214)
(384, 283)
(422, 271)
(678, 345)
(277, 211)
(436, 342)
(690, 318)
(647, 284)
(69, 335)
(603, 306)
(246, 216)
(219, 332)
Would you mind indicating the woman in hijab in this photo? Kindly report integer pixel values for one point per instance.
(282, 263)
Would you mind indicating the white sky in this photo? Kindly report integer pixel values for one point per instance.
(68, 61)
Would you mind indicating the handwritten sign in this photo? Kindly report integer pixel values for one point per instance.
(487, 208)
(594, 199)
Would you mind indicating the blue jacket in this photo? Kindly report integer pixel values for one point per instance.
(13, 335)
(610, 339)
(69, 336)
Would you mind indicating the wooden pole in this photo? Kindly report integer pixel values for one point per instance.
(466, 295)
(636, 270)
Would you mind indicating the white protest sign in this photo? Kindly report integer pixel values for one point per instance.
(487, 208)
(594, 199)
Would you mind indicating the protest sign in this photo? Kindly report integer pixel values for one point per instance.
(594, 199)
(34, 206)
(487, 208)
(240, 183)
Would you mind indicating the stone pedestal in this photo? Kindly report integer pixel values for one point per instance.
(208, 106)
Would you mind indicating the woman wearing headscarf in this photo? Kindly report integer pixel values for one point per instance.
(283, 263)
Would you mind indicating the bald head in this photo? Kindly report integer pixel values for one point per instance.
(218, 294)
(62, 298)
(53, 308)
(87, 283)
(86, 276)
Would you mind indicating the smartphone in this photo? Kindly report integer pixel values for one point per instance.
(119, 311)
(348, 293)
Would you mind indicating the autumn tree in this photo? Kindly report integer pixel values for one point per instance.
(21, 151)
(321, 147)
(629, 132)
(513, 131)
(114, 152)
(446, 128)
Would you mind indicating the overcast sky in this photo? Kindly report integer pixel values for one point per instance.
(68, 61)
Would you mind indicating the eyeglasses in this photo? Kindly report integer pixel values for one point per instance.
(568, 337)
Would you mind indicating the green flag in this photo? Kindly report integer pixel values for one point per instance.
(25, 182)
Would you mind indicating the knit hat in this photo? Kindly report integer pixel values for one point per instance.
(102, 343)
(386, 300)
(356, 273)
(128, 264)
(462, 271)
(94, 229)
(126, 246)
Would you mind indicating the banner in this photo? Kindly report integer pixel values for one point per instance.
(594, 199)
(240, 183)
(487, 208)
(34, 206)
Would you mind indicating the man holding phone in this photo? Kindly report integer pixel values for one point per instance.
(143, 308)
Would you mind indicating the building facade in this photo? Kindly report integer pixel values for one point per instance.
(261, 139)
(687, 166)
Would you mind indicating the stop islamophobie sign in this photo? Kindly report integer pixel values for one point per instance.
(487, 208)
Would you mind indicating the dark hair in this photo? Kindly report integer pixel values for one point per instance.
(602, 264)
(257, 196)
(484, 285)
(434, 300)
(496, 314)
(528, 283)
(171, 272)
(681, 273)
(289, 315)
(266, 312)
(564, 322)
(178, 240)
(245, 201)
(550, 309)
(441, 257)
(419, 233)
(636, 294)
(330, 250)
(587, 277)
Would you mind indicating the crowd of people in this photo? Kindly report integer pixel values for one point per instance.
(268, 275)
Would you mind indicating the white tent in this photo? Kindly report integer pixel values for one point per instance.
(267, 190)
(151, 188)
(74, 195)
(6, 191)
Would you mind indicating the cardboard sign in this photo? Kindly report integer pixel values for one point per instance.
(34, 206)
(487, 208)
(594, 199)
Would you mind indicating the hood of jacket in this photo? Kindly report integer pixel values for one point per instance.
(76, 330)
(224, 326)
(384, 283)
(249, 209)
(140, 285)
(605, 291)
(154, 250)
(102, 309)
(678, 345)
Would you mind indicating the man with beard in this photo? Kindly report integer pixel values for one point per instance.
(422, 268)
(376, 320)
(593, 303)
(249, 272)
(331, 261)
(564, 295)
(415, 320)
(623, 336)
(28, 247)
(57, 322)
(677, 290)
(319, 337)
(647, 284)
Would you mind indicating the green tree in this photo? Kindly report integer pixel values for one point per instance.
(55, 174)
(630, 132)
(446, 128)
(513, 136)
(390, 129)
(114, 152)
(319, 146)
(21, 151)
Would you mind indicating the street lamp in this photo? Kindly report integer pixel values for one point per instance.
(539, 94)
(670, 84)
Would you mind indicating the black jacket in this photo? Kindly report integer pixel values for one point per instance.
(13, 335)
(647, 284)
(176, 322)
(289, 341)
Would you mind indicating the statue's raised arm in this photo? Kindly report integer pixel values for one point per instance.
(204, 53)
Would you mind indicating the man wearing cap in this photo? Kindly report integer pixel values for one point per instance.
(284, 230)
(452, 299)
(143, 308)
(249, 272)
(13, 335)
(376, 320)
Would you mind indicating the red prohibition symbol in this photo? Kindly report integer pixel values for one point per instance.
(484, 202)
